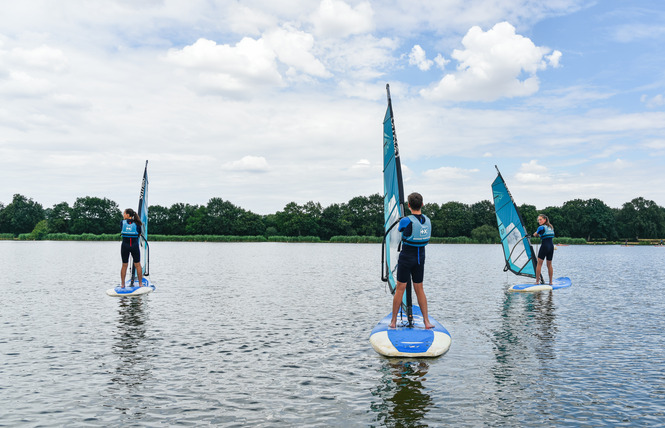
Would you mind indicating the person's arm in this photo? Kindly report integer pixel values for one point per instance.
(403, 223)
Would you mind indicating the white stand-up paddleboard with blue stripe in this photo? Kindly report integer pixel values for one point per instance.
(404, 341)
(132, 291)
(557, 283)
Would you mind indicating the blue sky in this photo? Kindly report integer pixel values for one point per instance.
(263, 103)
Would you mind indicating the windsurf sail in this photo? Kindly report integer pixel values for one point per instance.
(517, 249)
(393, 207)
(143, 215)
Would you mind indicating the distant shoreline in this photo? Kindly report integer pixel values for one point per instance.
(295, 239)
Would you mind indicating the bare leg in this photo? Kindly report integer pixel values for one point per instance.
(123, 273)
(538, 267)
(139, 271)
(397, 301)
(422, 302)
(550, 270)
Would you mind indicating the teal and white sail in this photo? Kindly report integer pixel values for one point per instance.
(393, 204)
(517, 249)
(143, 215)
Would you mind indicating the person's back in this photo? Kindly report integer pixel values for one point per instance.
(416, 232)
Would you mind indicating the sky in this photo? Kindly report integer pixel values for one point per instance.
(263, 103)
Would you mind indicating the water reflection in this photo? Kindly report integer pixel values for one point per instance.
(129, 345)
(524, 348)
(404, 401)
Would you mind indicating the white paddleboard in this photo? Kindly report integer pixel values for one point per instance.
(562, 282)
(134, 291)
(404, 341)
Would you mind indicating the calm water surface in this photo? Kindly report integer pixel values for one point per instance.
(270, 334)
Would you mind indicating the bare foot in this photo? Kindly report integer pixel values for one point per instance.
(392, 324)
(429, 325)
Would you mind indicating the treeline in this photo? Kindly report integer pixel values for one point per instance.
(360, 217)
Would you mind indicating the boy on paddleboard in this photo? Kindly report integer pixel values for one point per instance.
(416, 231)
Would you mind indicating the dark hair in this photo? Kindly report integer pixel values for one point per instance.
(135, 217)
(415, 200)
(547, 220)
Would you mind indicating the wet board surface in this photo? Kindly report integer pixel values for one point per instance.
(416, 341)
(128, 291)
(562, 282)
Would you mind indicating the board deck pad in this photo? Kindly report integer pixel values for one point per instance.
(562, 282)
(134, 291)
(416, 341)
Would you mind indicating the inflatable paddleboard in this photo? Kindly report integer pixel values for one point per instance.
(416, 341)
(562, 282)
(132, 291)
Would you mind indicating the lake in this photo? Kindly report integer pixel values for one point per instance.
(276, 334)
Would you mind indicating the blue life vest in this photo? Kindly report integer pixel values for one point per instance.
(129, 230)
(546, 232)
(420, 233)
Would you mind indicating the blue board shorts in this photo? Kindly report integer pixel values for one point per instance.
(130, 246)
(546, 249)
(410, 265)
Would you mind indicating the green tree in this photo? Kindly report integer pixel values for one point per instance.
(21, 215)
(197, 222)
(298, 220)
(95, 215)
(641, 218)
(456, 219)
(365, 215)
(41, 230)
(483, 213)
(486, 234)
(59, 218)
(530, 217)
(158, 220)
(332, 222)
(179, 214)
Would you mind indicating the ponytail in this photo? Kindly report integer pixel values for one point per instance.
(134, 216)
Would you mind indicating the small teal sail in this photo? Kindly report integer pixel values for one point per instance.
(393, 202)
(517, 249)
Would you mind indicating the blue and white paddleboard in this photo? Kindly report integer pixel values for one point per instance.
(132, 291)
(416, 341)
(562, 282)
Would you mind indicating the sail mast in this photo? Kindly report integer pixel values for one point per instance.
(393, 208)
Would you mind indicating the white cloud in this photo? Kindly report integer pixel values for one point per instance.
(362, 58)
(248, 164)
(533, 172)
(441, 61)
(43, 57)
(418, 57)
(449, 173)
(336, 19)
(229, 69)
(653, 102)
(492, 66)
(293, 48)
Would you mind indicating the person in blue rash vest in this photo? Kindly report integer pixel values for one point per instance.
(546, 233)
(131, 230)
(416, 231)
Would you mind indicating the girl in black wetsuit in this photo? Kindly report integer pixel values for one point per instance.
(546, 233)
(131, 230)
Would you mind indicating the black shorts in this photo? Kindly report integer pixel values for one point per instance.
(546, 249)
(411, 265)
(126, 249)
